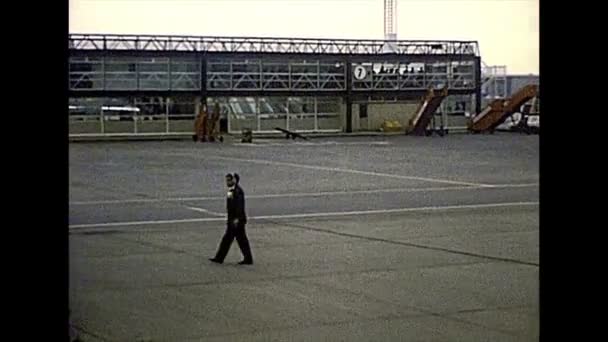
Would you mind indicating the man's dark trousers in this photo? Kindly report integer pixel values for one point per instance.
(234, 231)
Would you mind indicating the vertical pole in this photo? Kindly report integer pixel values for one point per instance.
(169, 73)
(477, 85)
(197, 105)
(316, 128)
(349, 101)
(261, 81)
(103, 72)
(167, 114)
(134, 116)
(203, 78)
(259, 101)
(444, 116)
(289, 76)
(136, 73)
(318, 74)
(231, 76)
(101, 118)
(203, 86)
(287, 115)
(228, 119)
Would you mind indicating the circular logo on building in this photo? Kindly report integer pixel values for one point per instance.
(360, 72)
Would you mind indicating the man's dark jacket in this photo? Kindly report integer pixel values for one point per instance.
(235, 205)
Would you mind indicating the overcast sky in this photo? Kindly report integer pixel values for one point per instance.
(507, 30)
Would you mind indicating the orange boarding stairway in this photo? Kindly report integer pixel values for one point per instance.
(499, 110)
(200, 125)
(206, 125)
(424, 113)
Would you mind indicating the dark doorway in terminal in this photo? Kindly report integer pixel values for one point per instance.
(363, 110)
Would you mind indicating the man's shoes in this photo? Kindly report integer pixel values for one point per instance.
(216, 260)
(246, 262)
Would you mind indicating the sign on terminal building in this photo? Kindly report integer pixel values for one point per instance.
(365, 71)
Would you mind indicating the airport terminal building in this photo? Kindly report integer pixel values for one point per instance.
(125, 85)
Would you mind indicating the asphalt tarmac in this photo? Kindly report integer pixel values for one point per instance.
(354, 239)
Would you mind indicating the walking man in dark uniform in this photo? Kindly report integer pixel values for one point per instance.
(237, 219)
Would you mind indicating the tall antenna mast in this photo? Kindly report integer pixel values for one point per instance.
(390, 19)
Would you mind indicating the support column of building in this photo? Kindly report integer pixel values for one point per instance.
(349, 100)
(477, 85)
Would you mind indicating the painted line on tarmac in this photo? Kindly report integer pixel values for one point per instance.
(203, 210)
(328, 143)
(307, 215)
(336, 169)
(308, 194)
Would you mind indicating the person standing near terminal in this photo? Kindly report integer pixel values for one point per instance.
(237, 219)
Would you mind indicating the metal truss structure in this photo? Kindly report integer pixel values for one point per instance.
(105, 42)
